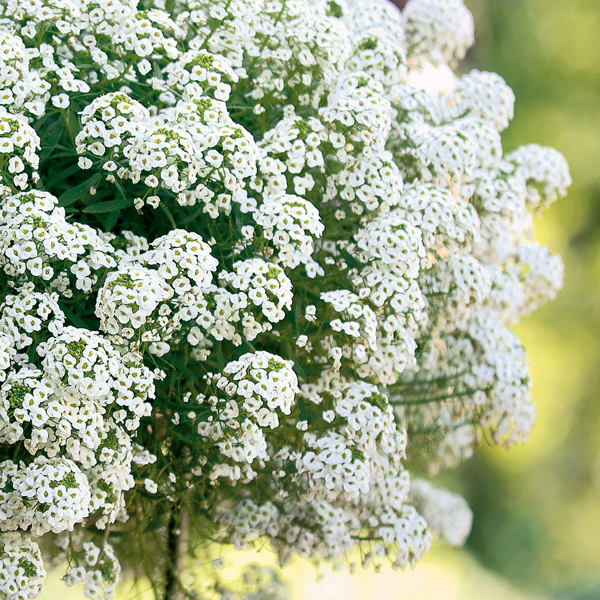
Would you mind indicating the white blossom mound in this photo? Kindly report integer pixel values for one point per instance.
(259, 263)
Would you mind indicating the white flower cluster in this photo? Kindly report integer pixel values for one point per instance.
(99, 569)
(439, 31)
(156, 289)
(28, 312)
(448, 514)
(319, 528)
(265, 285)
(50, 494)
(37, 241)
(346, 480)
(22, 571)
(291, 224)
(199, 73)
(19, 144)
(486, 96)
(545, 171)
(256, 259)
(340, 462)
(358, 320)
(253, 393)
(181, 150)
(62, 410)
(378, 54)
(86, 366)
(254, 295)
(135, 298)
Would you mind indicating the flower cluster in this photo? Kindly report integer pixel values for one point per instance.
(19, 146)
(38, 242)
(291, 224)
(50, 494)
(252, 393)
(264, 285)
(448, 514)
(22, 571)
(193, 151)
(98, 568)
(255, 264)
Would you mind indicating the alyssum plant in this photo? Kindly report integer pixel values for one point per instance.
(256, 275)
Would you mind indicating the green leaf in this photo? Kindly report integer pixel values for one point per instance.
(299, 370)
(71, 196)
(219, 357)
(109, 220)
(77, 321)
(105, 207)
(247, 347)
(169, 215)
(298, 314)
(61, 175)
(73, 123)
(189, 373)
(120, 188)
(195, 215)
(303, 410)
(53, 134)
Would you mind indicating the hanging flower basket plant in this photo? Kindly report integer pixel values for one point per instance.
(258, 264)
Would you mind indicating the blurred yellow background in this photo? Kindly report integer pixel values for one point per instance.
(536, 534)
(444, 575)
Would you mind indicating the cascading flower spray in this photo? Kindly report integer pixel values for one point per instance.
(258, 263)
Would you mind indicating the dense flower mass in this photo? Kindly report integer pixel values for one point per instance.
(256, 270)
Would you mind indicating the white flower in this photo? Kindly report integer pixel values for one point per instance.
(85, 163)
(144, 66)
(302, 341)
(304, 289)
(61, 101)
(150, 486)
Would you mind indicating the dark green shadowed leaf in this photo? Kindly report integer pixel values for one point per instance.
(52, 135)
(106, 207)
(71, 196)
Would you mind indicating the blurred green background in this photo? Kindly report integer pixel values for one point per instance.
(537, 507)
(536, 533)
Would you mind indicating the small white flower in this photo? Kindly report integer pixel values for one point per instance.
(144, 66)
(150, 486)
(301, 341)
(84, 162)
(61, 101)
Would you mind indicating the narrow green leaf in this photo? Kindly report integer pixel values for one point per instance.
(195, 215)
(77, 321)
(53, 134)
(169, 216)
(298, 314)
(302, 407)
(61, 175)
(247, 347)
(74, 123)
(219, 357)
(120, 188)
(105, 207)
(111, 220)
(71, 196)
(299, 370)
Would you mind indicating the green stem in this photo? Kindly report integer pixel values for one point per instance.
(68, 127)
(172, 584)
